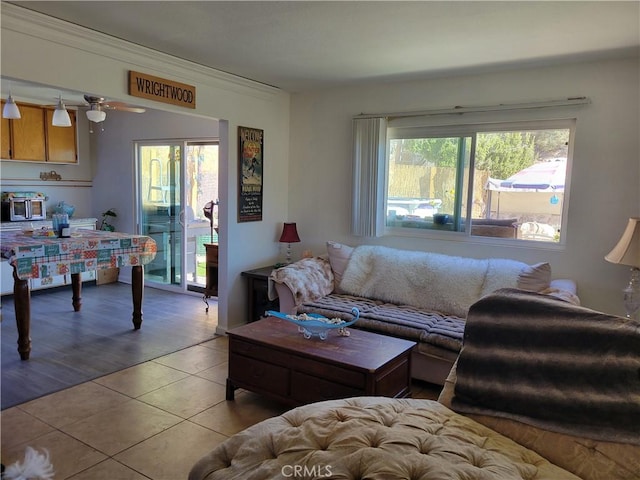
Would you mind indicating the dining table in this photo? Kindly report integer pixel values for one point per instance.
(41, 254)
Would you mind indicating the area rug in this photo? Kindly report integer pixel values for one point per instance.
(69, 348)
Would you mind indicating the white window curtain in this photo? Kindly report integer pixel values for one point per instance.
(369, 150)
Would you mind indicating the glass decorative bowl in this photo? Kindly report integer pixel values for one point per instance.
(312, 324)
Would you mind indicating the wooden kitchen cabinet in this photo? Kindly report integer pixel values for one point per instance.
(32, 138)
(61, 141)
(28, 135)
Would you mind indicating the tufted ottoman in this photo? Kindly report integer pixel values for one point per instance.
(373, 438)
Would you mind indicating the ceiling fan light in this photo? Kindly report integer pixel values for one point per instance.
(96, 116)
(61, 116)
(10, 109)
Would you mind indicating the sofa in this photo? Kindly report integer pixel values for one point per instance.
(545, 392)
(418, 296)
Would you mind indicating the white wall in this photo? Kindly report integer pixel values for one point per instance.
(605, 181)
(41, 49)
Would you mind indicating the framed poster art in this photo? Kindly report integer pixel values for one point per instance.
(251, 167)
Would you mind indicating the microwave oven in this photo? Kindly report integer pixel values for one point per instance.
(18, 209)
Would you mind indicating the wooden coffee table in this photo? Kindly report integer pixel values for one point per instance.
(270, 357)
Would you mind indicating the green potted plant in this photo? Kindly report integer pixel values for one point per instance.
(107, 218)
(108, 275)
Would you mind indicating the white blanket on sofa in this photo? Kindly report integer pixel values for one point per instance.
(426, 280)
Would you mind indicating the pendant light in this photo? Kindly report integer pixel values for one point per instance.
(60, 115)
(10, 109)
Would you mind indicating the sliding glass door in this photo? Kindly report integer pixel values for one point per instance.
(175, 181)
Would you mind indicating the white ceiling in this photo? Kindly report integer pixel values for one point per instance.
(298, 45)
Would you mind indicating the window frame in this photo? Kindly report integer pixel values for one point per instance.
(419, 128)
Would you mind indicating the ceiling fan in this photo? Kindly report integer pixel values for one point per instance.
(96, 108)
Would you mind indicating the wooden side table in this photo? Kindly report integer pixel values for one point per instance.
(211, 289)
(258, 293)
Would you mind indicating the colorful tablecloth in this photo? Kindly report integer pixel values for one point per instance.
(86, 250)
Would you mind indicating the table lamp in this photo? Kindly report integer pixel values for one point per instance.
(627, 252)
(289, 236)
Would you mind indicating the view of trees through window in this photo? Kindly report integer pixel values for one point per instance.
(516, 188)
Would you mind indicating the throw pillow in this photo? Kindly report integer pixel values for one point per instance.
(338, 258)
(535, 278)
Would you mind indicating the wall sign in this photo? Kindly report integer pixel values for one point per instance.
(161, 90)
(250, 160)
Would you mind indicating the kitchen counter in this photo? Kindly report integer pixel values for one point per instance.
(38, 224)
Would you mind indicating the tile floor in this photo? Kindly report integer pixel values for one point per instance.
(150, 421)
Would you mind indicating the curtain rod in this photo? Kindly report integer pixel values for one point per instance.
(459, 110)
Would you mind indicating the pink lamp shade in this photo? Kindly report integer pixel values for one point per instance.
(289, 234)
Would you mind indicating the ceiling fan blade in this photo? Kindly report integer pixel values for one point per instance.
(94, 102)
(123, 107)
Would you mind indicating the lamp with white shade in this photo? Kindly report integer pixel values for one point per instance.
(627, 252)
(96, 114)
(60, 115)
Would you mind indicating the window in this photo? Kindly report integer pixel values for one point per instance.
(486, 180)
